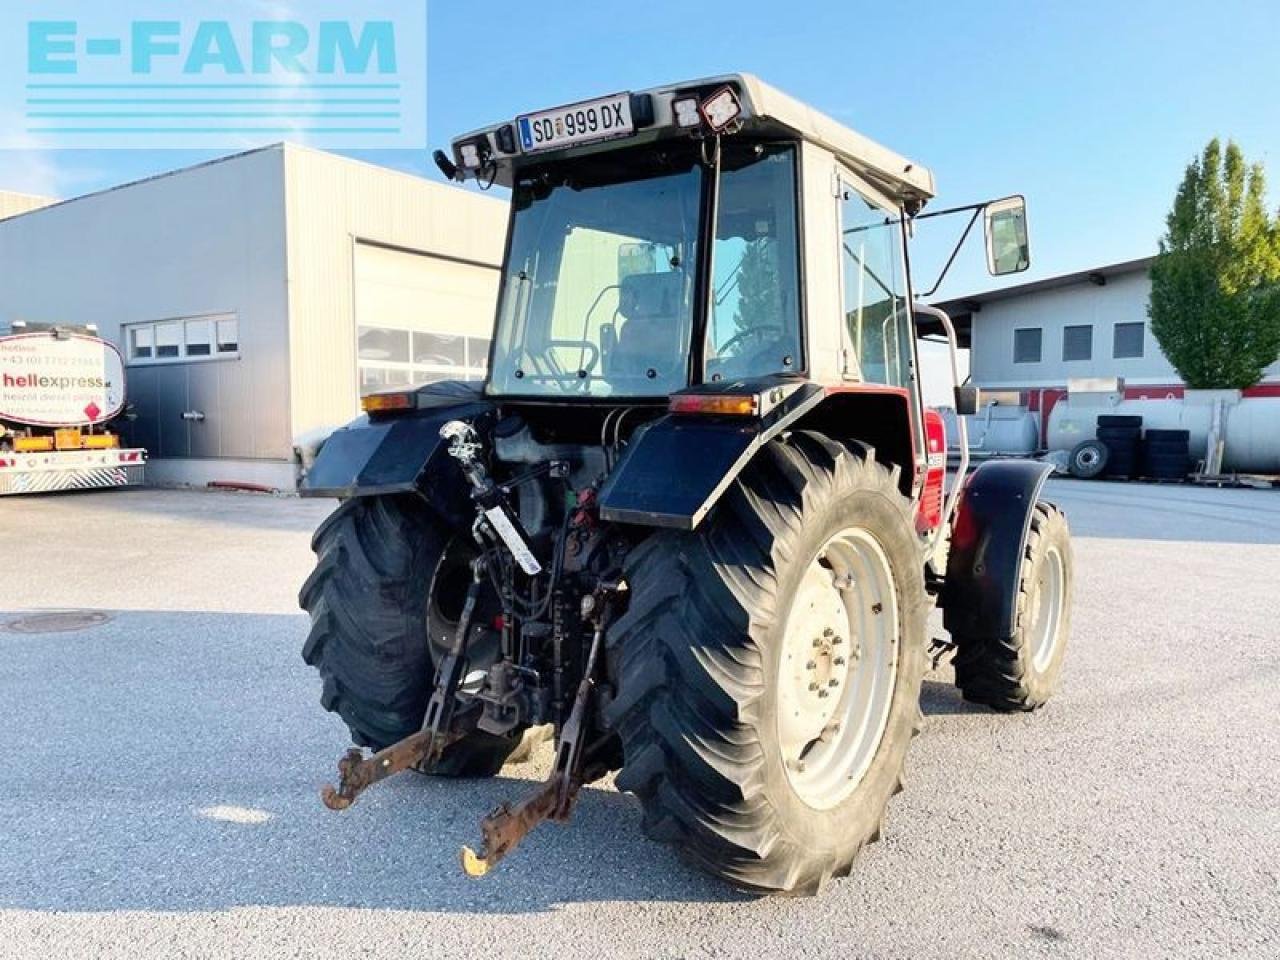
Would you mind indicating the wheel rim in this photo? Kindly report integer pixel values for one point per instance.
(1048, 609)
(838, 668)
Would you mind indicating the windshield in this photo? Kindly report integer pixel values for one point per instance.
(597, 296)
(599, 290)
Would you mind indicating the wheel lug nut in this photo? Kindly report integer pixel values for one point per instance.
(813, 686)
(811, 665)
(833, 682)
(822, 693)
(838, 661)
(836, 641)
(828, 632)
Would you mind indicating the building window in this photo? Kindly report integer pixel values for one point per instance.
(199, 338)
(141, 342)
(228, 335)
(168, 341)
(1026, 345)
(393, 357)
(1129, 339)
(178, 340)
(1077, 343)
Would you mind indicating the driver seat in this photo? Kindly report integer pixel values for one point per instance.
(651, 304)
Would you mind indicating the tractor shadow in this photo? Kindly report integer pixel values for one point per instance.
(396, 849)
(172, 762)
(940, 698)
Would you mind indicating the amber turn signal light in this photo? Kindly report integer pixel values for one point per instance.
(716, 404)
(381, 402)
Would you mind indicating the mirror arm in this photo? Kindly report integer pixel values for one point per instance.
(977, 209)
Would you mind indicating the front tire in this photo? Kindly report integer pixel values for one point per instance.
(387, 575)
(1022, 672)
(713, 707)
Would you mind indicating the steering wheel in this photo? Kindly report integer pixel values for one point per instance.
(774, 330)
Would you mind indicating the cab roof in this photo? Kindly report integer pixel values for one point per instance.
(765, 109)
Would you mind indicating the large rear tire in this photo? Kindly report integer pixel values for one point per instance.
(387, 574)
(1022, 672)
(768, 668)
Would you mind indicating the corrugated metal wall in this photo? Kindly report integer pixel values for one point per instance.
(333, 203)
(208, 240)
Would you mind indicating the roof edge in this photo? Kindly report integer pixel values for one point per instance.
(965, 303)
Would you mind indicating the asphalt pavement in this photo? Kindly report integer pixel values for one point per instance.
(163, 756)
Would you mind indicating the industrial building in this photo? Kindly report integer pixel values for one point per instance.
(256, 297)
(1033, 339)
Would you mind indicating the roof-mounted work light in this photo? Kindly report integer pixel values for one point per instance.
(686, 112)
(721, 109)
(474, 153)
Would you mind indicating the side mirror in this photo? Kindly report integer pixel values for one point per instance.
(968, 399)
(1008, 249)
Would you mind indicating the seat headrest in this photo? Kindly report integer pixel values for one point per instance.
(650, 295)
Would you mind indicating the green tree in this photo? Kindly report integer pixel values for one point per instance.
(759, 289)
(1215, 285)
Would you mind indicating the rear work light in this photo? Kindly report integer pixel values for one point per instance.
(718, 405)
(381, 402)
(721, 109)
(686, 112)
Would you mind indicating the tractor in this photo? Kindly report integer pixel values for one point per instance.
(696, 517)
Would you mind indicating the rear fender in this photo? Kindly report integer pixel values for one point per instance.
(678, 467)
(397, 454)
(988, 540)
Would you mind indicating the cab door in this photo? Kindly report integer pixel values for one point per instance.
(878, 330)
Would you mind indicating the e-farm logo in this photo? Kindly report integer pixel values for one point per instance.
(230, 73)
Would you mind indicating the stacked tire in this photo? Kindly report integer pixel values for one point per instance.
(1166, 454)
(1123, 438)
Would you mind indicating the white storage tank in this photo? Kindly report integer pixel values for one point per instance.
(1250, 426)
(1007, 429)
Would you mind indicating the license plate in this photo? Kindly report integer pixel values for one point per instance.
(584, 122)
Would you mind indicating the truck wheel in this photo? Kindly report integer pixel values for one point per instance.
(768, 668)
(1088, 459)
(387, 584)
(1021, 672)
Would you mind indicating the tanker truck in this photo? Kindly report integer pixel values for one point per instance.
(61, 390)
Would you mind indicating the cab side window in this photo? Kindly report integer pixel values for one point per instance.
(878, 348)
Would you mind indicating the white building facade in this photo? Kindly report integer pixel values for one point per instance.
(255, 298)
(1033, 338)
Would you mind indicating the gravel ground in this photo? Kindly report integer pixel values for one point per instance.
(164, 766)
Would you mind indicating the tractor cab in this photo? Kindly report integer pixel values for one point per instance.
(656, 244)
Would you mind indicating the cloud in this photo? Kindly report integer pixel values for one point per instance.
(29, 171)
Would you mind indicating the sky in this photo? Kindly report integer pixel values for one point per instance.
(1090, 109)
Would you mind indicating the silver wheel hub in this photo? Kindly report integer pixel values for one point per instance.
(838, 668)
(1046, 610)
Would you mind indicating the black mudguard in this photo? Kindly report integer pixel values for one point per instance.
(676, 469)
(984, 566)
(398, 453)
